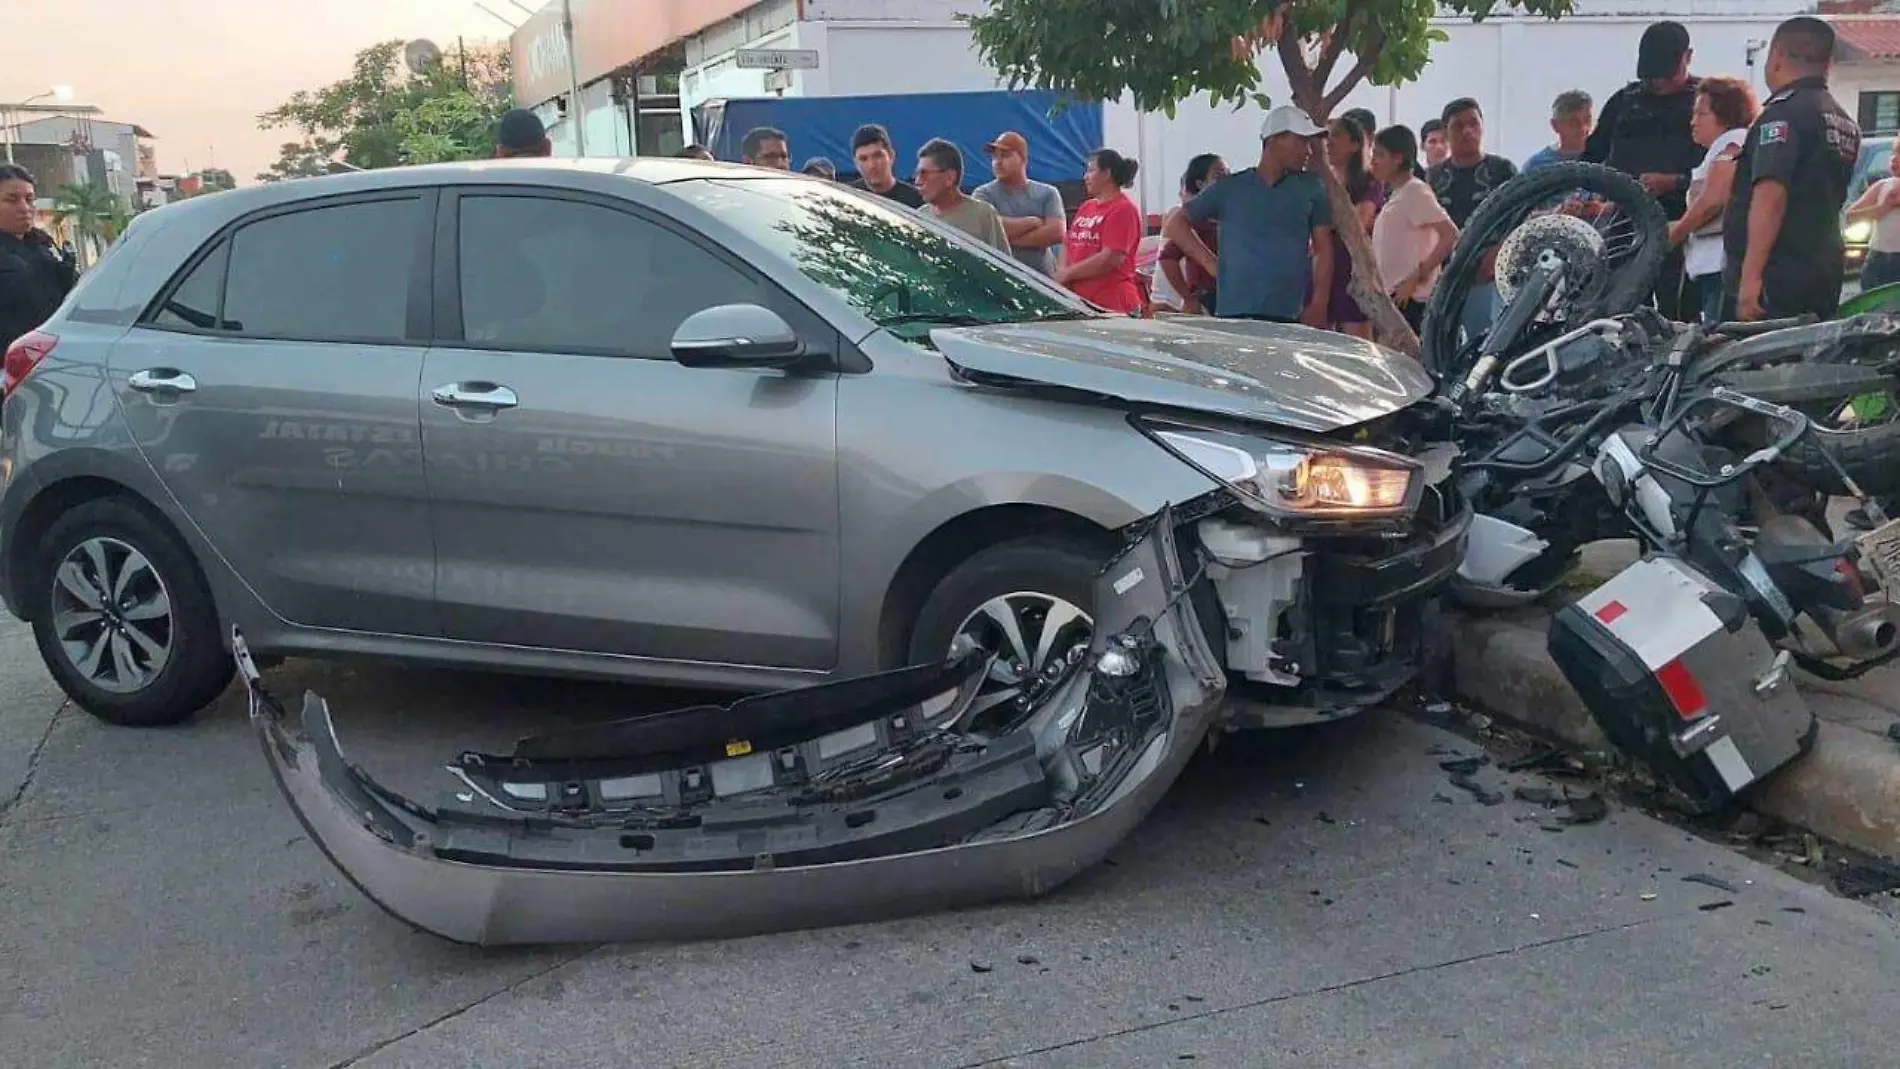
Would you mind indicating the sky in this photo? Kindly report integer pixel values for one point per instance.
(196, 73)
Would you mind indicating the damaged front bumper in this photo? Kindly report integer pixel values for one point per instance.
(868, 798)
(1319, 626)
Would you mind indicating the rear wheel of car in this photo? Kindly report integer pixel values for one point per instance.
(1029, 601)
(125, 620)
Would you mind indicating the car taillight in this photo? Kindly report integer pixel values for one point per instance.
(23, 356)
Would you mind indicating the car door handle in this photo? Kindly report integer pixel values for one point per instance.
(474, 395)
(162, 380)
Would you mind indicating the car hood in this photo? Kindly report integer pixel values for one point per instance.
(1290, 376)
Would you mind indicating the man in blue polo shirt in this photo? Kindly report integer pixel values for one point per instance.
(1276, 229)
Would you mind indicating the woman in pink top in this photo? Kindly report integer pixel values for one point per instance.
(1412, 235)
(1098, 257)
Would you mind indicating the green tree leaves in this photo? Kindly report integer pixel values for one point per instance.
(1161, 52)
(383, 115)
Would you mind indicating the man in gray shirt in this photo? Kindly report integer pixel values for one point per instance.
(1031, 211)
(1276, 229)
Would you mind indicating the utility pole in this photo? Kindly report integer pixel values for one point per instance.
(575, 112)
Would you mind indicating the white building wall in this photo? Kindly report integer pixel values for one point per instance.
(1852, 79)
(1512, 66)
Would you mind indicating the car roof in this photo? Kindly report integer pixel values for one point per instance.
(646, 170)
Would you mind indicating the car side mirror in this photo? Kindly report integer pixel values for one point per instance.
(736, 335)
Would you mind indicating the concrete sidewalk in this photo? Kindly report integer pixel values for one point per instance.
(1846, 789)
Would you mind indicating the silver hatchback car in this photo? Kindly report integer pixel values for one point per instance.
(677, 422)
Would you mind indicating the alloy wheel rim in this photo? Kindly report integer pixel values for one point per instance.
(1026, 630)
(112, 615)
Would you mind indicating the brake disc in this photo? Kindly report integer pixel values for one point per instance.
(1578, 244)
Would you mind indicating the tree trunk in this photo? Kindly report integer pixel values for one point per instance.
(1388, 325)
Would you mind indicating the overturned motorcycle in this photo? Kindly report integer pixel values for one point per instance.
(873, 797)
(1583, 416)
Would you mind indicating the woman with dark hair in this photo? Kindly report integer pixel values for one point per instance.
(1190, 280)
(1098, 258)
(1346, 155)
(34, 276)
(1724, 110)
(1412, 235)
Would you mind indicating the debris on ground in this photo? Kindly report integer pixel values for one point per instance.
(1470, 785)
(1647, 896)
(1533, 761)
(1027, 959)
(1585, 809)
(981, 967)
(1512, 750)
(1867, 878)
(1707, 880)
(1546, 796)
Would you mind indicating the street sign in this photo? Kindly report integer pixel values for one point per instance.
(776, 59)
(778, 81)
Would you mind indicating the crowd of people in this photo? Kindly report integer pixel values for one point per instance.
(1262, 242)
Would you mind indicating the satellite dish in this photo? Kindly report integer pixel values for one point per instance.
(420, 55)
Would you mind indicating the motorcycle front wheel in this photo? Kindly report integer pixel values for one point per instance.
(1608, 273)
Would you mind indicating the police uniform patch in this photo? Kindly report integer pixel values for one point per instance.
(1773, 133)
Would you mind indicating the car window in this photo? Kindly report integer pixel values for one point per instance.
(339, 273)
(544, 274)
(194, 304)
(885, 261)
(1871, 167)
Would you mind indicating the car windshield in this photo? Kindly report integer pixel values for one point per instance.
(899, 271)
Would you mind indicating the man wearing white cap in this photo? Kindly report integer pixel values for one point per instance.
(1276, 229)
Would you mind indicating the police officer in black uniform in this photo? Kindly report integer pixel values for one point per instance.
(1784, 252)
(1646, 129)
(34, 275)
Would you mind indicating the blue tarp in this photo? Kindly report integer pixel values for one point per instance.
(1059, 142)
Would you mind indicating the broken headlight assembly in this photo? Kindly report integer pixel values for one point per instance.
(1296, 480)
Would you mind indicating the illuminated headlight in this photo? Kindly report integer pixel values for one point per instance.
(1858, 232)
(1299, 480)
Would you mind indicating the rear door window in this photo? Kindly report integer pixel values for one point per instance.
(552, 275)
(335, 273)
(193, 305)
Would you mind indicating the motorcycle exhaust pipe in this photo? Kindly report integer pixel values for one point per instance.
(1862, 633)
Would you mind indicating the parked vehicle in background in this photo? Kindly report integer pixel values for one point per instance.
(684, 422)
(1869, 167)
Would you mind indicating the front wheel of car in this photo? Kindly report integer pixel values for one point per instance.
(125, 620)
(1029, 601)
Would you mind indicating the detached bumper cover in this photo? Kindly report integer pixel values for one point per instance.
(864, 799)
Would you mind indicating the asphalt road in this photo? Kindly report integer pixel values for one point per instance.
(1317, 899)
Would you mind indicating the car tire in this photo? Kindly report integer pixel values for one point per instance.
(1041, 581)
(152, 655)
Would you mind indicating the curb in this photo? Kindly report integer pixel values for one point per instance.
(1847, 788)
